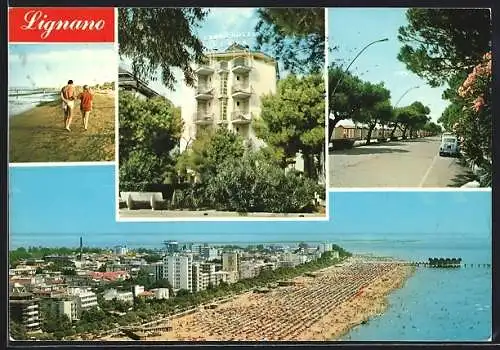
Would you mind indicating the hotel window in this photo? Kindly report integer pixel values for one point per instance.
(223, 84)
(223, 109)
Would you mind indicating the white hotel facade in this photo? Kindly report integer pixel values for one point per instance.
(228, 93)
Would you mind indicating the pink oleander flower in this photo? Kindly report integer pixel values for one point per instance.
(478, 103)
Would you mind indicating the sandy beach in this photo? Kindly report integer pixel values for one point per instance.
(38, 134)
(323, 307)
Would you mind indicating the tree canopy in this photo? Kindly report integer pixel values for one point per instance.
(293, 119)
(294, 36)
(149, 132)
(438, 43)
(161, 38)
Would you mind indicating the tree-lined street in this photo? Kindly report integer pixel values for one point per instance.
(429, 74)
(411, 163)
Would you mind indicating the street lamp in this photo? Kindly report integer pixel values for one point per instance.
(404, 94)
(331, 128)
(399, 100)
(354, 59)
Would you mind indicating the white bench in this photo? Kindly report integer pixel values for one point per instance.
(153, 198)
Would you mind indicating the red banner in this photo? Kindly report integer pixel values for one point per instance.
(62, 24)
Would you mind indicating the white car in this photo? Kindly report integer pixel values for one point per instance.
(449, 146)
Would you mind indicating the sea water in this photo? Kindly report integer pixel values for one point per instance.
(434, 304)
(23, 100)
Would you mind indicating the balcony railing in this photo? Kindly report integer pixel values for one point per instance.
(241, 90)
(222, 66)
(202, 117)
(204, 91)
(240, 66)
(204, 69)
(241, 117)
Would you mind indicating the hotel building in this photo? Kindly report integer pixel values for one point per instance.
(228, 93)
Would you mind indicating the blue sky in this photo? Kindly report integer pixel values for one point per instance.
(218, 31)
(52, 65)
(350, 29)
(59, 204)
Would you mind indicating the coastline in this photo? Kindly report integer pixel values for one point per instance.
(317, 308)
(38, 135)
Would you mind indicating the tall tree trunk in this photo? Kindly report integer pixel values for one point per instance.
(309, 166)
(394, 130)
(369, 134)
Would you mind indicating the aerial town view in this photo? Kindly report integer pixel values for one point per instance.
(61, 104)
(409, 98)
(390, 276)
(197, 292)
(233, 125)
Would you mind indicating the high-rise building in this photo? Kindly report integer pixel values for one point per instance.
(209, 253)
(231, 263)
(171, 247)
(228, 92)
(178, 270)
(68, 307)
(24, 309)
(121, 250)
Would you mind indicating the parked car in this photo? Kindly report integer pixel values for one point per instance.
(449, 146)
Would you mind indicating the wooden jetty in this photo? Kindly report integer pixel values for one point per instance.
(445, 263)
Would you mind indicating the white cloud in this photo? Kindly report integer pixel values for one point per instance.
(230, 18)
(54, 68)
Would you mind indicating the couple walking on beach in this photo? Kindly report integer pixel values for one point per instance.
(68, 97)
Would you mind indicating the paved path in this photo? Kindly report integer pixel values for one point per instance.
(409, 163)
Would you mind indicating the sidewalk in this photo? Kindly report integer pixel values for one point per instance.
(359, 143)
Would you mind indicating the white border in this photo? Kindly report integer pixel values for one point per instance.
(254, 217)
(327, 141)
(117, 124)
(409, 189)
(58, 164)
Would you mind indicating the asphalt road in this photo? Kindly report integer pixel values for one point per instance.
(409, 163)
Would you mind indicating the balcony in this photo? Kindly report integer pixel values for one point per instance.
(223, 67)
(204, 69)
(221, 121)
(203, 118)
(240, 66)
(241, 117)
(241, 91)
(204, 92)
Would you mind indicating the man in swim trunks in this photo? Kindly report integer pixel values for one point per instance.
(85, 105)
(68, 98)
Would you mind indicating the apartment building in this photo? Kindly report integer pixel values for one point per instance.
(178, 270)
(209, 253)
(126, 297)
(68, 307)
(228, 93)
(86, 299)
(201, 279)
(230, 261)
(247, 269)
(24, 309)
(325, 247)
(155, 270)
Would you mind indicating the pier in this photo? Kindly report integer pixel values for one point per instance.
(447, 263)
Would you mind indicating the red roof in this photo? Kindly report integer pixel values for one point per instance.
(109, 276)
